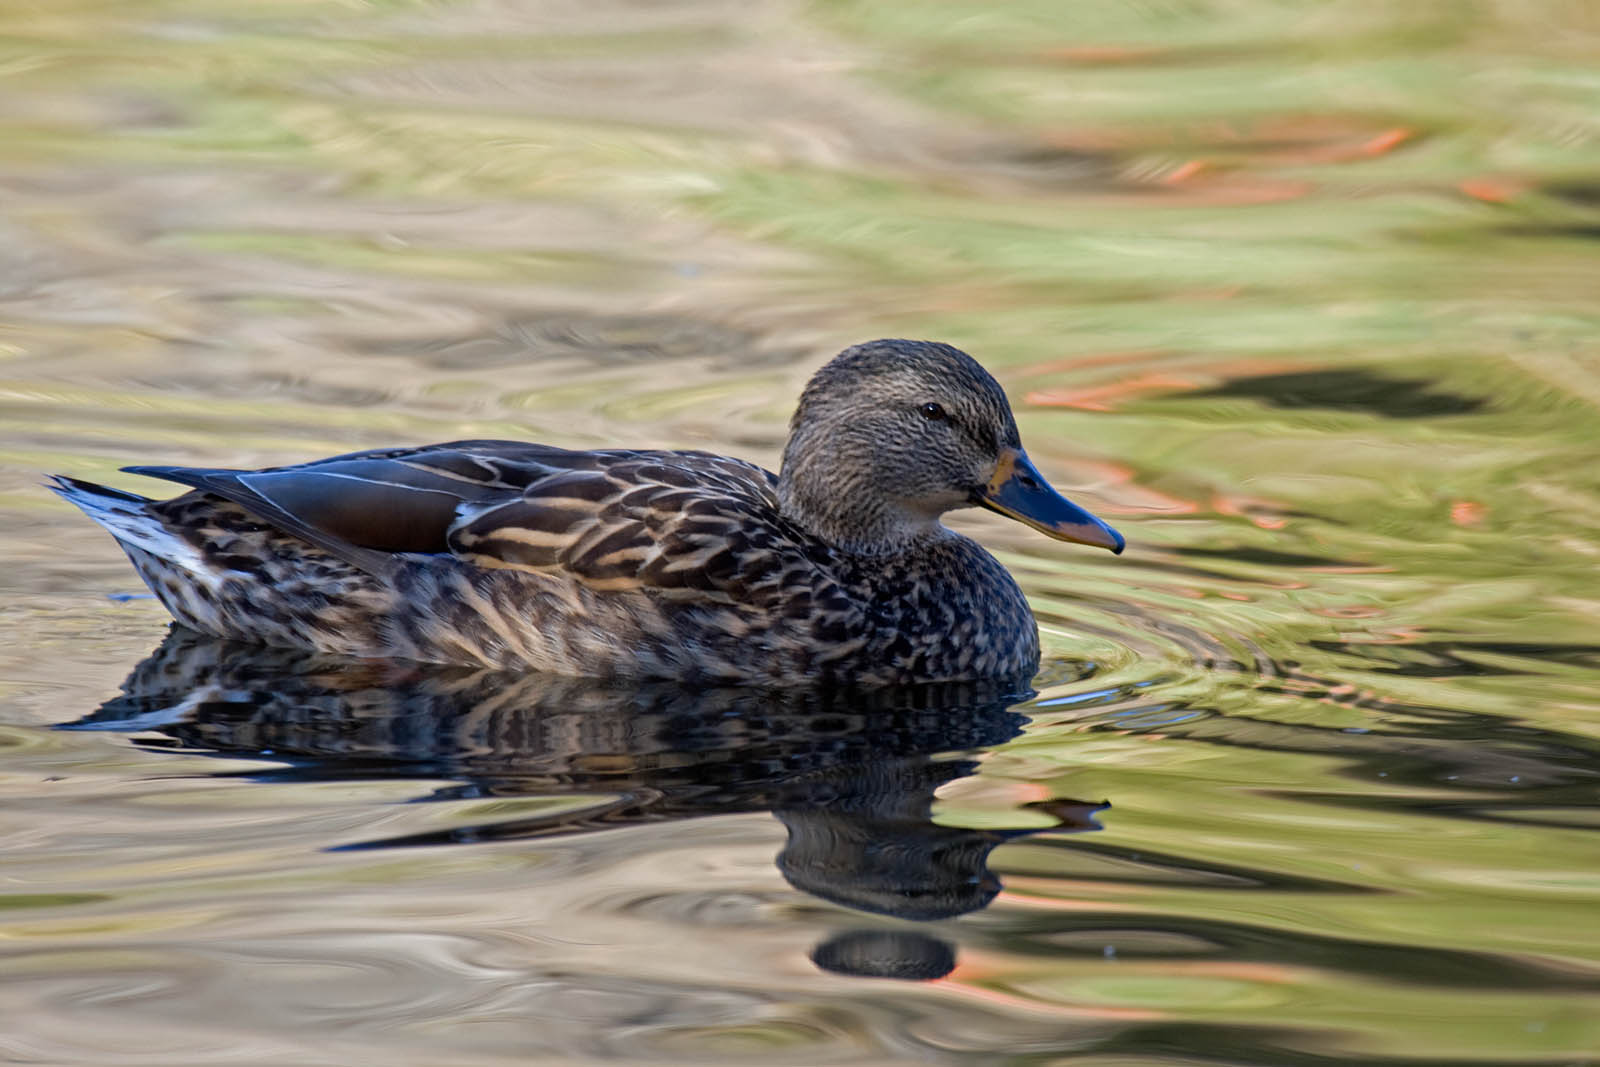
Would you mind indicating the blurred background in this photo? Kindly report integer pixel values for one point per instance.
(1299, 296)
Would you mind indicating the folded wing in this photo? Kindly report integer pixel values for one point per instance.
(684, 524)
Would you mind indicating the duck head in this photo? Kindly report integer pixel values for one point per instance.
(891, 434)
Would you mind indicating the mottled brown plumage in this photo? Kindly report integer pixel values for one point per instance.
(626, 563)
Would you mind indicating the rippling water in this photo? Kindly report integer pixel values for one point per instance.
(1299, 296)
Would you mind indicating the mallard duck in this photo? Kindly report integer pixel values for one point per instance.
(635, 564)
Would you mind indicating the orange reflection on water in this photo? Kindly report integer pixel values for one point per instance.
(1263, 513)
(1492, 189)
(1106, 397)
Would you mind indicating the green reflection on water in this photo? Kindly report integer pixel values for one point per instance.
(1299, 296)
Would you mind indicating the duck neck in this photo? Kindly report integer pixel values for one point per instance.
(838, 504)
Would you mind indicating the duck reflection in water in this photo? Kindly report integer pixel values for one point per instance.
(851, 775)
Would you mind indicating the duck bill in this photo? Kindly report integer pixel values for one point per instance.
(1019, 491)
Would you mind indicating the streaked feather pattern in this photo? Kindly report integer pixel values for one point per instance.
(623, 563)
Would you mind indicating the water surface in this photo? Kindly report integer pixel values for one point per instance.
(1299, 297)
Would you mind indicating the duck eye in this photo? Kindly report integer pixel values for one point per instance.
(932, 411)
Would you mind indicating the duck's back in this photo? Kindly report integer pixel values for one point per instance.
(635, 563)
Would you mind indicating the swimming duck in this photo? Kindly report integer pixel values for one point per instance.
(635, 564)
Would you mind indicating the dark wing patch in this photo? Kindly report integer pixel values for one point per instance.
(364, 506)
(385, 515)
(229, 486)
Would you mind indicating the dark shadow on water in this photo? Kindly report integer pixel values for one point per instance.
(1346, 389)
(851, 775)
(1458, 658)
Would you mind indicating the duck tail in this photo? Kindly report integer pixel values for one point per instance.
(128, 518)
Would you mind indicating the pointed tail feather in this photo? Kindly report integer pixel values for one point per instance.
(77, 490)
(126, 517)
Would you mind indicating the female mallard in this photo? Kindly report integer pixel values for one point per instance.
(622, 563)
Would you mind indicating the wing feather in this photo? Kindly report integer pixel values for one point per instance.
(683, 524)
(678, 524)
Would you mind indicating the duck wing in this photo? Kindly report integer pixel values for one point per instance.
(680, 523)
(688, 525)
(363, 506)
